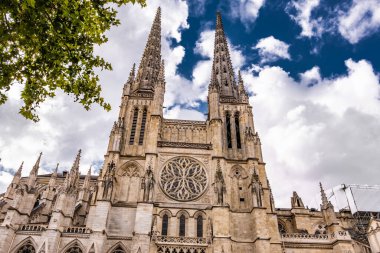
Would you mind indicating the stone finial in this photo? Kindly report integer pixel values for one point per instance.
(242, 91)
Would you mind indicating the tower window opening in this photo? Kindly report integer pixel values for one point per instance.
(165, 223)
(228, 126)
(242, 199)
(142, 130)
(238, 141)
(226, 83)
(199, 226)
(182, 226)
(133, 127)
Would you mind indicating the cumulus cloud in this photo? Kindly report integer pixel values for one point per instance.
(325, 132)
(361, 20)
(65, 126)
(301, 12)
(271, 49)
(177, 112)
(246, 10)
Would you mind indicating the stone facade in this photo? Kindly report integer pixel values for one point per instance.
(171, 186)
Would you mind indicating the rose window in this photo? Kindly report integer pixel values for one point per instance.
(183, 179)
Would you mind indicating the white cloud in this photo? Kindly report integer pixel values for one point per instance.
(177, 112)
(302, 16)
(327, 132)
(246, 10)
(271, 49)
(65, 126)
(361, 20)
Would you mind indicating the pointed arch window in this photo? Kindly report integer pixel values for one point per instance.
(118, 249)
(74, 249)
(200, 226)
(142, 129)
(228, 130)
(133, 127)
(237, 127)
(165, 223)
(26, 248)
(182, 225)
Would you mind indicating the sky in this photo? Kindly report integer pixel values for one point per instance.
(311, 68)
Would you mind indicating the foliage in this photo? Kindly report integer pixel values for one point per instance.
(47, 45)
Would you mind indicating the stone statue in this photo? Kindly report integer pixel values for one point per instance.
(219, 185)
(256, 189)
(109, 180)
(147, 183)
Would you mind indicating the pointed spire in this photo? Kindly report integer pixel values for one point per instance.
(132, 74)
(325, 202)
(36, 166)
(86, 182)
(222, 66)
(53, 176)
(151, 59)
(18, 173)
(75, 166)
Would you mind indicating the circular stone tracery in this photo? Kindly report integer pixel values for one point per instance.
(183, 179)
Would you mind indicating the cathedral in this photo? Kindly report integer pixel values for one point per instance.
(173, 186)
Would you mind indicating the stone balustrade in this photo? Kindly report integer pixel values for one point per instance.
(175, 240)
(305, 238)
(77, 230)
(33, 228)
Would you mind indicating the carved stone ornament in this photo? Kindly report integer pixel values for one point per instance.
(183, 179)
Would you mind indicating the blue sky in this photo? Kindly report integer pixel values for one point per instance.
(311, 68)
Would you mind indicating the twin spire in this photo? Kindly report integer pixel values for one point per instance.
(150, 64)
(222, 77)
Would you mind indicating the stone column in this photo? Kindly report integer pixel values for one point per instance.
(143, 226)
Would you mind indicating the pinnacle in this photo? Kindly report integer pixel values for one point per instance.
(76, 162)
(323, 195)
(18, 173)
(36, 165)
(132, 74)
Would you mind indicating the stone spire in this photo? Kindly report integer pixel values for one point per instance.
(36, 166)
(325, 202)
(18, 173)
(86, 182)
(222, 66)
(53, 177)
(34, 172)
(151, 59)
(131, 79)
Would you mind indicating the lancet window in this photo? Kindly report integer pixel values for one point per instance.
(165, 223)
(133, 127)
(237, 126)
(228, 128)
(182, 225)
(142, 130)
(200, 226)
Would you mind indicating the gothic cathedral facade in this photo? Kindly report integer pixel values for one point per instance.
(170, 186)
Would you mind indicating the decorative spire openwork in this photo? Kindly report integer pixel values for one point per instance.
(325, 201)
(222, 67)
(151, 59)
